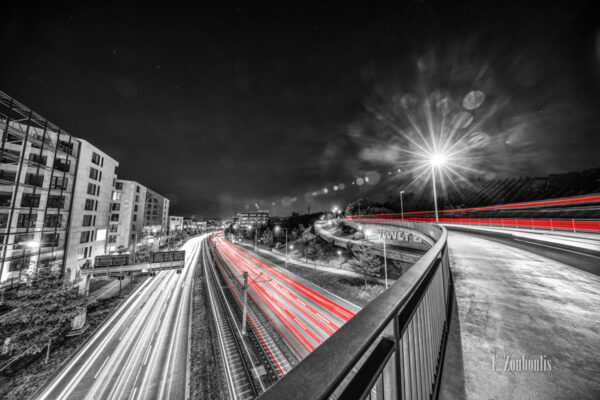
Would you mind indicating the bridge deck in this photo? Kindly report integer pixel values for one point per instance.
(514, 303)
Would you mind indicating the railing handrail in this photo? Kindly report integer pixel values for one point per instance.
(322, 371)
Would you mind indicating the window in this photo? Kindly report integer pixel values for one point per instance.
(56, 201)
(53, 220)
(100, 177)
(115, 206)
(89, 205)
(8, 176)
(38, 158)
(114, 217)
(135, 217)
(96, 205)
(30, 200)
(10, 156)
(85, 236)
(3, 221)
(87, 220)
(112, 239)
(116, 196)
(34, 180)
(96, 158)
(119, 186)
(62, 164)
(114, 228)
(19, 263)
(80, 254)
(135, 208)
(26, 220)
(91, 189)
(94, 173)
(21, 240)
(137, 189)
(65, 146)
(5, 199)
(59, 182)
(137, 198)
(49, 240)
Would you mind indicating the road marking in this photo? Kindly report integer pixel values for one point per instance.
(147, 354)
(124, 332)
(133, 393)
(102, 366)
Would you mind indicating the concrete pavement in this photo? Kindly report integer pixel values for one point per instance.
(515, 307)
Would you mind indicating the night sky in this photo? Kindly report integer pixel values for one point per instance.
(229, 108)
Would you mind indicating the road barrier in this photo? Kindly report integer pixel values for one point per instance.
(393, 348)
(570, 225)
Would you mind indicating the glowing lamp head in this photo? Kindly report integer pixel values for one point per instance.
(437, 160)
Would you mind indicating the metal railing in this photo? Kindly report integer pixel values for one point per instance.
(392, 349)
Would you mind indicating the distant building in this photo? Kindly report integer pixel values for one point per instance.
(175, 224)
(252, 218)
(156, 213)
(127, 215)
(91, 207)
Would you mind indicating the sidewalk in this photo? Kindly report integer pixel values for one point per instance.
(577, 241)
(318, 266)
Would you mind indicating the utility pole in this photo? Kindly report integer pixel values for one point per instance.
(245, 302)
(385, 261)
(401, 205)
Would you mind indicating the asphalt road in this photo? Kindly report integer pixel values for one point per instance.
(304, 314)
(526, 326)
(141, 351)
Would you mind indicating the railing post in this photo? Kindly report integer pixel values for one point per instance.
(551, 225)
(573, 222)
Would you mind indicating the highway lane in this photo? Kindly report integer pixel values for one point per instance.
(304, 314)
(141, 351)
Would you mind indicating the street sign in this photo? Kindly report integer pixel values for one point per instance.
(114, 260)
(167, 256)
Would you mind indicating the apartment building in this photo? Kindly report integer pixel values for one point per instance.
(91, 207)
(156, 213)
(37, 173)
(175, 223)
(127, 215)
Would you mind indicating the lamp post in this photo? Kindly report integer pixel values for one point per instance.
(401, 205)
(277, 229)
(437, 160)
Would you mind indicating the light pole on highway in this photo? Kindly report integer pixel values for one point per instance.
(277, 229)
(245, 289)
(401, 205)
(437, 160)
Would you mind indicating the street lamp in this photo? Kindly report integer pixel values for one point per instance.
(401, 205)
(437, 160)
(277, 229)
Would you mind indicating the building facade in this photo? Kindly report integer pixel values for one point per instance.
(175, 224)
(127, 215)
(95, 178)
(38, 162)
(156, 213)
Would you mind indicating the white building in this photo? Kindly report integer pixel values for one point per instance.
(127, 215)
(90, 210)
(175, 224)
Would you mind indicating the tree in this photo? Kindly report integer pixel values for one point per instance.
(311, 251)
(365, 262)
(42, 313)
(267, 237)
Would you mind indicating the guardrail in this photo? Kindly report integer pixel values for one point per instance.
(569, 225)
(392, 349)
